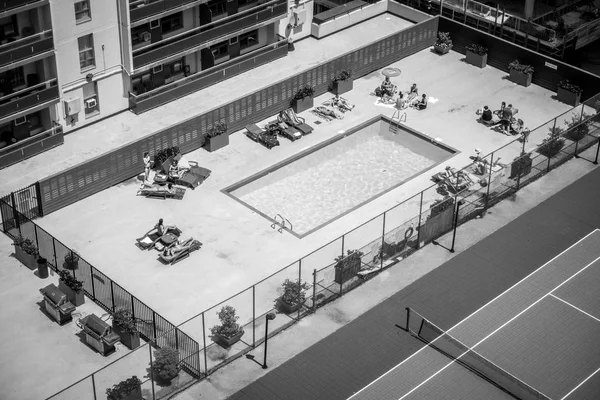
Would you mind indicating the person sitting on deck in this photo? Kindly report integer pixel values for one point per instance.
(401, 103)
(413, 92)
(173, 170)
(422, 103)
(487, 114)
(387, 87)
(161, 228)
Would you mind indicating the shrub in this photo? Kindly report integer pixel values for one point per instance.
(524, 68)
(70, 281)
(123, 388)
(443, 40)
(441, 205)
(229, 327)
(163, 155)
(552, 145)
(577, 129)
(570, 87)
(165, 365)
(125, 321)
(26, 245)
(293, 292)
(477, 49)
(341, 76)
(219, 128)
(306, 91)
(72, 257)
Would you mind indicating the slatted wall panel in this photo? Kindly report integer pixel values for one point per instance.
(102, 172)
(501, 53)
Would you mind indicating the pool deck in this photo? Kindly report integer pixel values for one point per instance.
(238, 244)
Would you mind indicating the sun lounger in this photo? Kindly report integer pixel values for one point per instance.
(194, 177)
(442, 176)
(285, 130)
(261, 136)
(177, 252)
(162, 192)
(152, 238)
(291, 118)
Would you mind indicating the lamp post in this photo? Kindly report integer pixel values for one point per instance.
(269, 317)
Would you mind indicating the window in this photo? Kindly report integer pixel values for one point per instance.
(172, 23)
(86, 52)
(11, 79)
(140, 34)
(220, 50)
(217, 8)
(90, 99)
(82, 11)
(248, 39)
(247, 3)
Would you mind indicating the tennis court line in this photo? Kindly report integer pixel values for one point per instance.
(481, 308)
(575, 307)
(582, 382)
(500, 327)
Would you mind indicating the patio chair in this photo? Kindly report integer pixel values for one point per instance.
(152, 238)
(178, 251)
(162, 192)
(291, 118)
(261, 136)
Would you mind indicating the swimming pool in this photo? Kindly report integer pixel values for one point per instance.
(319, 185)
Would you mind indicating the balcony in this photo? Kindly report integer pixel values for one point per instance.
(31, 146)
(164, 94)
(141, 9)
(26, 47)
(26, 99)
(9, 4)
(194, 38)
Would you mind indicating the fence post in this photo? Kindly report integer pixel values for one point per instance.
(487, 196)
(597, 151)
(151, 380)
(91, 280)
(253, 315)
(132, 306)
(94, 386)
(112, 294)
(204, 342)
(15, 212)
(419, 227)
(299, 287)
(37, 242)
(343, 236)
(72, 255)
(314, 299)
(382, 243)
(548, 167)
(154, 324)
(38, 193)
(455, 223)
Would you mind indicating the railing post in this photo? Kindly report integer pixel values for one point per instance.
(419, 227)
(548, 167)
(314, 296)
(94, 386)
(15, 212)
(38, 193)
(299, 287)
(132, 306)
(382, 243)
(204, 342)
(91, 279)
(487, 196)
(597, 151)
(37, 242)
(112, 294)
(56, 261)
(343, 236)
(253, 315)
(154, 324)
(151, 380)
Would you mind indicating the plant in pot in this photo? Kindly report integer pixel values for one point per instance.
(477, 55)
(71, 261)
(217, 136)
(164, 157)
(125, 325)
(129, 389)
(229, 331)
(443, 43)
(165, 366)
(569, 93)
(347, 267)
(26, 252)
(303, 99)
(342, 82)
(293, 296)
(441, 205)
(72, 287)
(520, 74)
(553, 144)
(577, 130)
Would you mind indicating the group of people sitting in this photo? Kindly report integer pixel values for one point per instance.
(506, 119)
(387, 92)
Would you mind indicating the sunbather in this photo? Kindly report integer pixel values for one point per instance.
(412, 93)
(328, 112)
(156, 188)
(342, 104)
(177, 247)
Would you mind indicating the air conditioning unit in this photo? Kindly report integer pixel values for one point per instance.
(72, 106)
(157, 69)
(20, 120)
(299, 17)
(91, 103)
(146, 36)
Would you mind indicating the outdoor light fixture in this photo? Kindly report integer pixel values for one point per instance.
(269, 317)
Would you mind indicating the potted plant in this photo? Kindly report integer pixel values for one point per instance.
(26, 252)
(342, 82)
(164, 157)
(520, 74)
(125, 325)
(443, 43)
(521, 165)
(553, 144)
(72, 287)
(71, 261)
(165, 366)
(129, 389)
(477, 55)
(577, 130)
(229, 332)
(348, 266)
(303, 99)
(217, 136)
(569, 93)
(441, 205)
(293, 296)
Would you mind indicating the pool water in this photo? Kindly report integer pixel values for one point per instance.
(339, 176)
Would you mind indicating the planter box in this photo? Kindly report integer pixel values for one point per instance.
(71, 265)
(567, 97)
(520, 78)
(344, 271)
(132, 341)
(340, 87)
(227, 342)
(287, 308)
(522, 168)
(217, 142)
(30, 261)
(477, 60)
(135, 394)
(77, 298)
(302, 105)
(442, 50)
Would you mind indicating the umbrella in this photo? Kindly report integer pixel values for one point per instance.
(391, 72)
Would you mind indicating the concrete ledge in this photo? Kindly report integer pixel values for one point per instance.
(406, 12)
(347, 20)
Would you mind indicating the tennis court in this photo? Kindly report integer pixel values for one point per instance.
(536, 340)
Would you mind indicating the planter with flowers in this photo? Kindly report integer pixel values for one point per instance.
(129, 389)
(125, 325)
(293, 297)
(520, 74)
(217, 137)
(443, 43)
(229, 331)
(342, 82)
(569, 93)
(477, 55)
(303, 99)
(553, 144)
(348, 266)
(26, 252)
(72, 287)
(71, 261)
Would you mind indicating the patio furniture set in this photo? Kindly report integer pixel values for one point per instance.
(170, 246)
(288, 125)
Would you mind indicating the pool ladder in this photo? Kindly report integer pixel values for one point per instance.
(394, 126)
(282, 223)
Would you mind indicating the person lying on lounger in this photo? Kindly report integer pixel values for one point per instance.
(177, 247)
(157, 188)
(342, 104)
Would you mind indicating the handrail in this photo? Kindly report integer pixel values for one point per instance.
(25, 40)
(581, 28)
(28, 89)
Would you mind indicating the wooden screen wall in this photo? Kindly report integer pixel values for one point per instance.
(102, 172)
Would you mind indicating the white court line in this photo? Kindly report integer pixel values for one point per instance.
(582, 382)
(500, 327)
(575, 307)
(476, 311)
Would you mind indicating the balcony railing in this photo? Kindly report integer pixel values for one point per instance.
(28, 98)
(141, 9)
(26, 47)
(31, 146)
(190, 84)
(8, 4)
(199, 35)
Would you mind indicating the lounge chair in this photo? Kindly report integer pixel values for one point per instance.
(261, 136)
(152, 238)
(193, 177)
(162, 192)
(442, 176)
(327, 113)
(291, 118)
(285, 130)
(178, 251)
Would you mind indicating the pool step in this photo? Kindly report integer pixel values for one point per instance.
(393, 128)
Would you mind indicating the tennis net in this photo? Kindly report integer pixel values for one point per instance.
(443, 342)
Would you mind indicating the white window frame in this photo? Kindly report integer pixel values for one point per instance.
(89, 61)
(86, 12)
